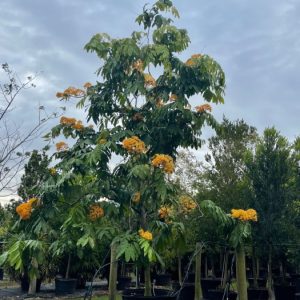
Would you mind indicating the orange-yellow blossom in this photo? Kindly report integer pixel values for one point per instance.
(147, 235)
(164, 162)
(134, 145)
(61, 146)
(96, 212)
(136, 198)
(203, 107)
(244, 215)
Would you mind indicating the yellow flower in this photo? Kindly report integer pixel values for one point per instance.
(67, 121)
(165, 212)
(193, 60)
(24, 210)
(164, 162)
(244, 215)
(96, 212)
(61, 146)
(87, 85)
(187, 204)
(78, 125)
(136, 198)
(134, 145)
(173, 97)
(204, 107)
(138, 65)
(52, 171)
(149, 80)
(147, 235)
(70, 92)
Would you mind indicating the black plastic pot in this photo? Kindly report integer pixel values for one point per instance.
(65, 286)
(190, 278)
(1, 274)
(258, 294)
(163, 279)
(209, 284)
(260, 281)
(123, 282)
(186, 292)
(284, 292)
(138, 294)
(218, 295)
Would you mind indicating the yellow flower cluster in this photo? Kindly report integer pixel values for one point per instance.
(52, 171)
(173, 97)
(244, 215)
(87, 85)
(138, 65)
(192, 61)
(67, 121)
(204, 107)
(61, 146)
(164, 162)
(149, 80)
(24, 209)
(165, 212)
(159, 103)
(147, 235)
(96, 212)
(76, 124)
(134, 145)
(136, 198)
(187, 204)
(70, 92)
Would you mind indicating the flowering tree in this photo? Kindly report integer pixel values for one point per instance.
(238, 225)
(142, 111)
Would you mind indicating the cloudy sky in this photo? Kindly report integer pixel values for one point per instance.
(256, 42)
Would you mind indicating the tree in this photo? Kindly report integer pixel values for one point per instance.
(225, 169)
(269, 169)
(36, 173)
(15, 140)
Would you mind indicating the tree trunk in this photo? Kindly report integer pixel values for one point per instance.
(270, 279)
(147, 281)
(254, 269)
(241, 273)
(32, 286)
(112, 289)
(225, 269)
(68, 267)
(179, 269)
(206, 266)
(198, 288)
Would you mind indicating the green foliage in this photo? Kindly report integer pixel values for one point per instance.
(36, 172)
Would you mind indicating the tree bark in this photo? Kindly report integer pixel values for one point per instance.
(225, 269)
(148, 291)
(68, 267)
(32, 286)
(254, 269)
(241, 273)
(179, 269)
(112, 288)
(198, 288)
(270, 277)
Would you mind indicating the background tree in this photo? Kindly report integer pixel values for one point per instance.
(15, 139)
(36, 173)
(269, 169)
(225, 169)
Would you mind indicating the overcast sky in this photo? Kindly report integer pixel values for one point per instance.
(256, 42)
